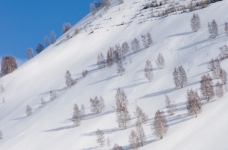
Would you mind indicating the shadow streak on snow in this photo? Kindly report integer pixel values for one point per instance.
(204, 73)
(93, 115)
(107, 79)
(128, 147)
(60, 128)
(91, 148)
(19, 118)
(179, 34)
(208, 41)
(58, 90)
(165, 91)
(131, 85)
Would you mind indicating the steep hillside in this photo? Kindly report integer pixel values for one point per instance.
(50, 127)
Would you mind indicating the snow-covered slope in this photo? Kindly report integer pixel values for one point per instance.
(50, 127)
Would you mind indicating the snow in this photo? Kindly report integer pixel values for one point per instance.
(50, 127)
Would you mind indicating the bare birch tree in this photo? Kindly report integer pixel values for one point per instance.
(195, 22)
(82, 111)
(30, 53)
(217, 69)
(206, 87)
(53, 95)
(193, 103)
(148, 70)
(125, 48)
(28, 111)
(120, 68)
(134, 140)
(123, 116)
(1, 135)
(46, 41)
(135, 45)
(170, 105)
(43, 102)
(76, 116)
(219, 90)
(226, 28)
(53, 37)
(160, 61)
(140, 133)
(117, 147)
(140, 115)
(100, 137)
(69, 80)
(160, 126)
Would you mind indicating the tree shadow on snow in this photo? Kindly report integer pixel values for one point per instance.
(179, 34)
(19, 118)
(91, 148)
(60, 128)
(93, 115)
(131, 85)
(208, 42)
(166, 91)
(107, 79)
(128, 147)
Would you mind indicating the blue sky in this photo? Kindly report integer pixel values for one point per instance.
(24, 23)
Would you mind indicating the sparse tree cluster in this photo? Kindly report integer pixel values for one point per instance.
(100, 61)
(53, 95)
(160, 126)
(97, 105)
(180, 77)
(171, 106)
(100, 137)
(213, 29)
(8, 65)
(206, 87)
(195, 23)
(123, 116)
(160, 61)
(69, 81)
(28, 110)
(193, 103)
(66, 27)
(148, 70)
